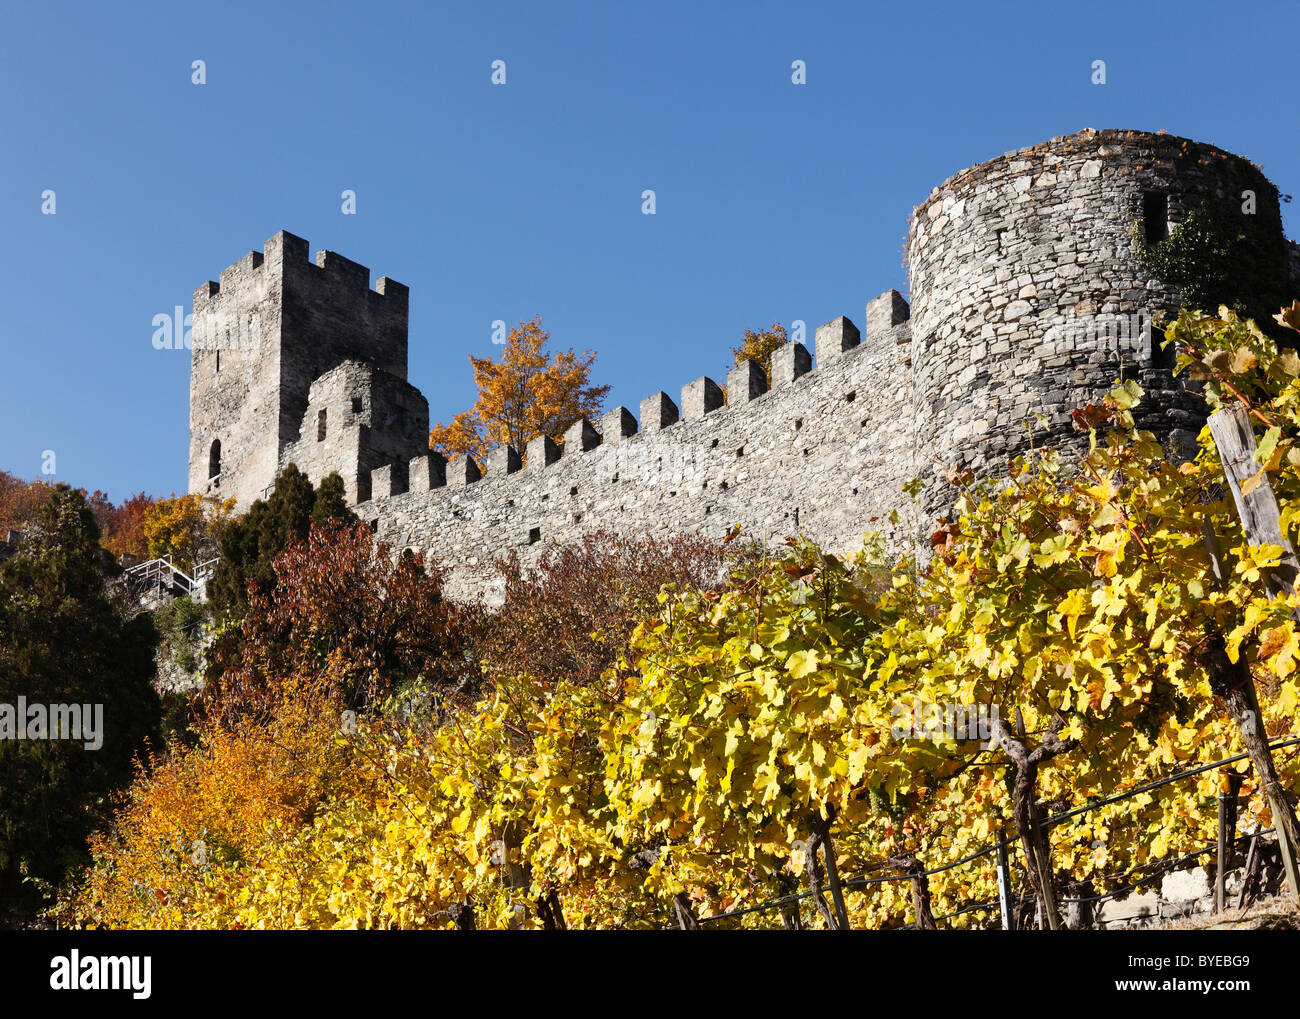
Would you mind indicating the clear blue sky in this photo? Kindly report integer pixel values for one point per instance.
(775, 201)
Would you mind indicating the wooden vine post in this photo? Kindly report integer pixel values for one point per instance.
(1249, 875)
(685, 917)
(833, 879)
(1229, 787)
(1260, 520)
(1256, 504)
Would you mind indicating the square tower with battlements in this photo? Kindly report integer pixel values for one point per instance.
(296, 361)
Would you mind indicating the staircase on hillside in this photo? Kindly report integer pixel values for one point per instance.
(158, 581)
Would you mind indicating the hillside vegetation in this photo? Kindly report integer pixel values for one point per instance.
(663, 746)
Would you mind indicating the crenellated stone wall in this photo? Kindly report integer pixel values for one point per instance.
(825, 451)
(358, 418)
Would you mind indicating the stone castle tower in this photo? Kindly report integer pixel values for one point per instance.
(299, 362)
(1028, 295)
(1028, 299)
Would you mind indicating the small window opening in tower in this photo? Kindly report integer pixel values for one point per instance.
(534, 535)
(1155, 216)
(320, 426)
(1002, 240)
(218, 360)
(214, 459)
(356, 405)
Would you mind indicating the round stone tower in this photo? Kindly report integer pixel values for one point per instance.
(1028, 296)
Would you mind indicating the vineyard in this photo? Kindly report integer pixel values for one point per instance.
(737, 759)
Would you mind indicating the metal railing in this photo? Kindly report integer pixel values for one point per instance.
(163, 572)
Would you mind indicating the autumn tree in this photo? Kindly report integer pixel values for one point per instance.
(570, 614)
(529, 392)
(345, 623)
(64, 641)
(20, 501)
(185, 527)
(759, 346)
(122, 527)
(218, 805)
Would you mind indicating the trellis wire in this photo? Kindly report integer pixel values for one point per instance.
(861, 881)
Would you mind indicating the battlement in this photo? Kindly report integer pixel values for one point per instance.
(702, 397)
(713, 462)
(248, 264)
(287, 253)
(343, 270)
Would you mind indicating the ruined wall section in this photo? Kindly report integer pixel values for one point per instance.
(824, 452)
(1028, 295)
(331, 315)
(359, 418)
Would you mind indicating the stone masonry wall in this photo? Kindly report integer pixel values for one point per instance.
(358, 418)
(823, 452)
(331, 315)
(1026, 283)
(234, 378)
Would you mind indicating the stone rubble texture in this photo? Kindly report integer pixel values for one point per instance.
(1008, 262)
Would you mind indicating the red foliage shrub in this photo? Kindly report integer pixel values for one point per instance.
(345, 624)
(570, 615)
